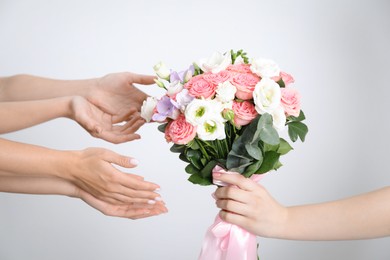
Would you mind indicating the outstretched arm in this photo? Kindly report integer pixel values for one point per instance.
(252, 207)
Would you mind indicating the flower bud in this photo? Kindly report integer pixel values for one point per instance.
(162, 71)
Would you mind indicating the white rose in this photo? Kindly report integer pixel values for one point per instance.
(174, 88)
(226, 92)
(279, 119)
(267, 96)
(162, 71)
(199, 110)
(183, 98)
(211, 129)
(147, 109)
(216, 63)
(265, 68)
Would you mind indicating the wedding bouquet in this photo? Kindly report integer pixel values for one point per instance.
(226, 113)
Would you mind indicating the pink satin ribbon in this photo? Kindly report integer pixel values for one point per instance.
(225, 241)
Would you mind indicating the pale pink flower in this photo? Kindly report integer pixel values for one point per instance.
(291, 101)
(217, 78)
(199, 87)
(179, 131)
(244, 112)
(287, 78)
(245, 84)
(240, 68)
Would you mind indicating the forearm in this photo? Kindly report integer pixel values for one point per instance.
(23, 114)
(18, 159)
(28, 87)
(36, 185)
(360, 217)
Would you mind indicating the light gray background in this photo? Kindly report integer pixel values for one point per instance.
(337, 51)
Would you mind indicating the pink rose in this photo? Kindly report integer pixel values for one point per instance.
(245, 84)
(287, 78)
(244, 112)
(291, 101)
(217, 78)
(199, 87)
(180, 131)
(240, 68)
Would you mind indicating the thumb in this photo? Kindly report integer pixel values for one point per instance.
(121, 160)
(142, 79)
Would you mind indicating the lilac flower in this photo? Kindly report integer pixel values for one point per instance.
(182, 76)
(166, 107)
(183, 98)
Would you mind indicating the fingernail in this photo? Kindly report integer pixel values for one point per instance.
(213, 195)
(157, 190)
(216, 174)
(134, 161)
(158, 199)
(151, 202)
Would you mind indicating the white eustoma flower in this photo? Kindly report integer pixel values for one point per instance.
(174, 87)
(200, 110)
(211, 129)
(147, 109)
(183, 98)
(267, 96)
(216, 63)
(279, 119)
(226, 92)
(162, 71)
(265, 68)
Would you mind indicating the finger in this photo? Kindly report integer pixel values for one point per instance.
(233, 193)
(232, 218)
(236, 179)
(121, 160)
(141, 79)
(115, 138)
(123, 117)
(233, 206)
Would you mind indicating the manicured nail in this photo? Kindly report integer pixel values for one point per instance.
(157, 190)
(216, 174)
(213, 195)
(134, 161)
(158, 199)
(151, 202)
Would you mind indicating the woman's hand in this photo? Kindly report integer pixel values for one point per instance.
(92, 170)
(102, 125)
(249, 205)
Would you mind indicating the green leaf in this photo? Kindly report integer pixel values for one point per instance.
(297, 129)
(207, 170)
(194, 156)
(196, 179)
(238, 162)
(193, 145)
(251, 169)
(270, 161)
(162, 127)
(177, 148)
(254, 151)
(268, 133)
(281, 83)
(268, 147)
(284, 147)
(300, 118)
(191, 169)
(183, 157)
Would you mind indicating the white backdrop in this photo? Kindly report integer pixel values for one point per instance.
(337, 51)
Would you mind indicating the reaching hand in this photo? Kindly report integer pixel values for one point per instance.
(101, 124)
(92, 170)
(130, 210)
(116, 95)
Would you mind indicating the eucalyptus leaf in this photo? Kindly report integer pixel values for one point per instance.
(254, 151)
(195, 158)
(268, 133)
